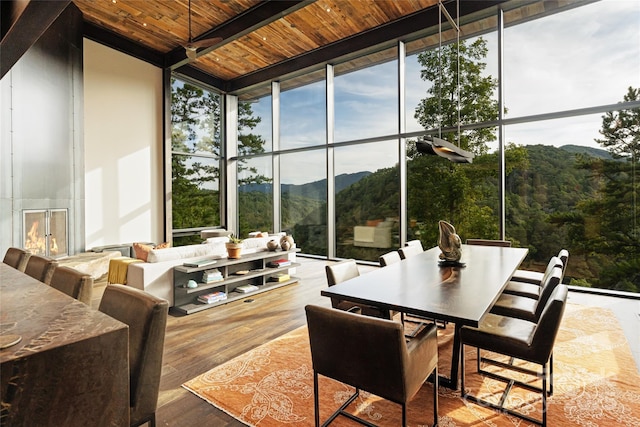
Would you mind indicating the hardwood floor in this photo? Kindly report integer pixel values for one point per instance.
(198, 342)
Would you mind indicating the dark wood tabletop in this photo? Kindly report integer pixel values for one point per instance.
(420, 286)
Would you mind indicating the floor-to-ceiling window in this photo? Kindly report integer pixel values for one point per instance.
(195, 160)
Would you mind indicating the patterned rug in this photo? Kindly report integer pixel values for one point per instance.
(596, 383)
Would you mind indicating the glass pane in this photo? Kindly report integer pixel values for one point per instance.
(195, 119)
(303, 116)
(465, 195)
(578, 58)
(195, 191)
(255, 126)
(255, 195)
(366, 101)
(426, 71)
(367, 200)
(58, 233)
(34, 224)
(304, 199)
(577, 188)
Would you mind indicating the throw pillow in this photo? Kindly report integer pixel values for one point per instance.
(142, 251)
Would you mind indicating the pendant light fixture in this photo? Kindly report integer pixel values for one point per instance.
(437, 145)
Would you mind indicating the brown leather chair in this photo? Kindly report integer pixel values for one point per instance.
(16, 258)
(146, 316)
(73, 283)
(535, 277)
(528, 308)
(345, 270)
(389, 258)
(413, 247)
(40, 268)
(520, 339)
(533, 290)
(487, 242)
(346, 347)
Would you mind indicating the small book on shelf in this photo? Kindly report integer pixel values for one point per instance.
(283, 262)
(212, 297)
(243, 289)
(282, 277)
(200, 262)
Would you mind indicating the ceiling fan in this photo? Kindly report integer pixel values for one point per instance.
(191, 48)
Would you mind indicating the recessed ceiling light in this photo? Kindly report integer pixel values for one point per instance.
(264, 38)
(144, 24)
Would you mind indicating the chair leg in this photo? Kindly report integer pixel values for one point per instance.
(435, 396)
(404, 414)
(316, 399)
(544, 395)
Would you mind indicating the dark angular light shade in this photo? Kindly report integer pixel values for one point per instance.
(442, 148)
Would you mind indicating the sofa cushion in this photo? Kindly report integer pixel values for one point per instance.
(190, 251)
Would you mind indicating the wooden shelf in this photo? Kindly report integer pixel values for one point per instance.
(186, 299)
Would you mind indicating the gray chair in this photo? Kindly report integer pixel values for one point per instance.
(533, 290)
(528, 308)
(16, 258)
(389, 258)
(520, 339)
(535, 277)
(487, 242)
(345, 270)
(40, 268)
(146, 316)
(370, 354)
(73, 283)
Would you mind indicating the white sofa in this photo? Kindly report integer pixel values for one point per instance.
(156, 275)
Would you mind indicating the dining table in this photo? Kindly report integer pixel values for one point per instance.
(460, 294)
(61, 361)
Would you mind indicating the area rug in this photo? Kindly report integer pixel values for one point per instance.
(596, 383)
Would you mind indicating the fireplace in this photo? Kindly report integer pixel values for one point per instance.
(45, 232)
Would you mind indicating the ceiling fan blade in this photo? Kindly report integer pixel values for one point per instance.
(205, 42)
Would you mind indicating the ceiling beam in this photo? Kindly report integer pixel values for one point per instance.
(387, 33)
(258, 16)
(23, 22)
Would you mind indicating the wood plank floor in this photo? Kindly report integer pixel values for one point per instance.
(198, 342)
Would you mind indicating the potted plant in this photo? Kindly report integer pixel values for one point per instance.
(234, 247)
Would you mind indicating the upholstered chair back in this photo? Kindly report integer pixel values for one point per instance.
(73, 283)
(40, 268)
(16, 258)
(146, 316)
(389, 258)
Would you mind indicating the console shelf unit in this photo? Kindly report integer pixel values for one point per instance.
(257, 273)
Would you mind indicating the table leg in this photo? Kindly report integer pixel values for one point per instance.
(452, 381)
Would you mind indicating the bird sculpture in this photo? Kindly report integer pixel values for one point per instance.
(449, 243)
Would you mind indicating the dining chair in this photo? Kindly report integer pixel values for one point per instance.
(528, 308)
(535, 277)
(487, 242)
(146, 316)
(532, 290)
(40, 268)
(345, 270)
(389, 258)
(16, 258)
(347, 347)
(72, 282)
(520, 339)
(413, 247)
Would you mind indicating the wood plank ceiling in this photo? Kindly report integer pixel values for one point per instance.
(259, 40)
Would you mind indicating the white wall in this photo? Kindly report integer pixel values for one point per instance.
(123, 148)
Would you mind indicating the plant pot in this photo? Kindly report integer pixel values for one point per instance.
(233, 250)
